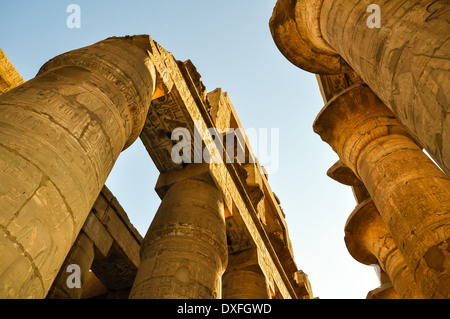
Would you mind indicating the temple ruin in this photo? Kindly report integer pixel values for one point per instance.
(220, 232)
(386, 93)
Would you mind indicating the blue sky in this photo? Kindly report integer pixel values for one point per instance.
(230, 44)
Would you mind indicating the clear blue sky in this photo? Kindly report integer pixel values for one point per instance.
(231, 46)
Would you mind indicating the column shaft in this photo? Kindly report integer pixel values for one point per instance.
(244, 284)
(60, 134)
(243, 278)
(184, 252)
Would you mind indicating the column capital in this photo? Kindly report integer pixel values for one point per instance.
(361, 228)
(9, 76)
(352, 120)
(342, 174)
(199, 172)
(296, 31)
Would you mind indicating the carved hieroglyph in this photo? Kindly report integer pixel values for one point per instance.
(61, 133)
(72, 122)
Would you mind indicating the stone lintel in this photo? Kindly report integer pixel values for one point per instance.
(117, 245)
(185, 105)
(344, 175)
(302, 281)
(385, 291)
(99, 235)
(9, 76)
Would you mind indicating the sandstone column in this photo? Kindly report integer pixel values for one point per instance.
(82, 255)
(410, 192)
(243, 278)
(184, 252)
(386, 289)
(368, 240)
(60, 134)
(406, 62)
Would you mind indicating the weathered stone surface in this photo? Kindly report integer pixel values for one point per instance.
(109, 246)
(66, 127)
(184, 252)
(186, 103)
(368, 240)
(243, 278)
(82, 255)
(296, 47)
(9, 77)
(385, 291)
(410, 192)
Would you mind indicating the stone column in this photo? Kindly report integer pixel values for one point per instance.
(82, 255)
(245, 284)
(406, 62)
(386, 289)
(243, 278)
(60, 135)
(184, 252)
(368, 240)
(410, 192)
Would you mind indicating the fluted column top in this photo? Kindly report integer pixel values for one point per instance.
(353, 119)
(296, 31)
(342, 174)
(363, 226)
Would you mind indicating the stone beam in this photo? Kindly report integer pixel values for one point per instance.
(114, 261)
(368, 240)
(297, 48)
